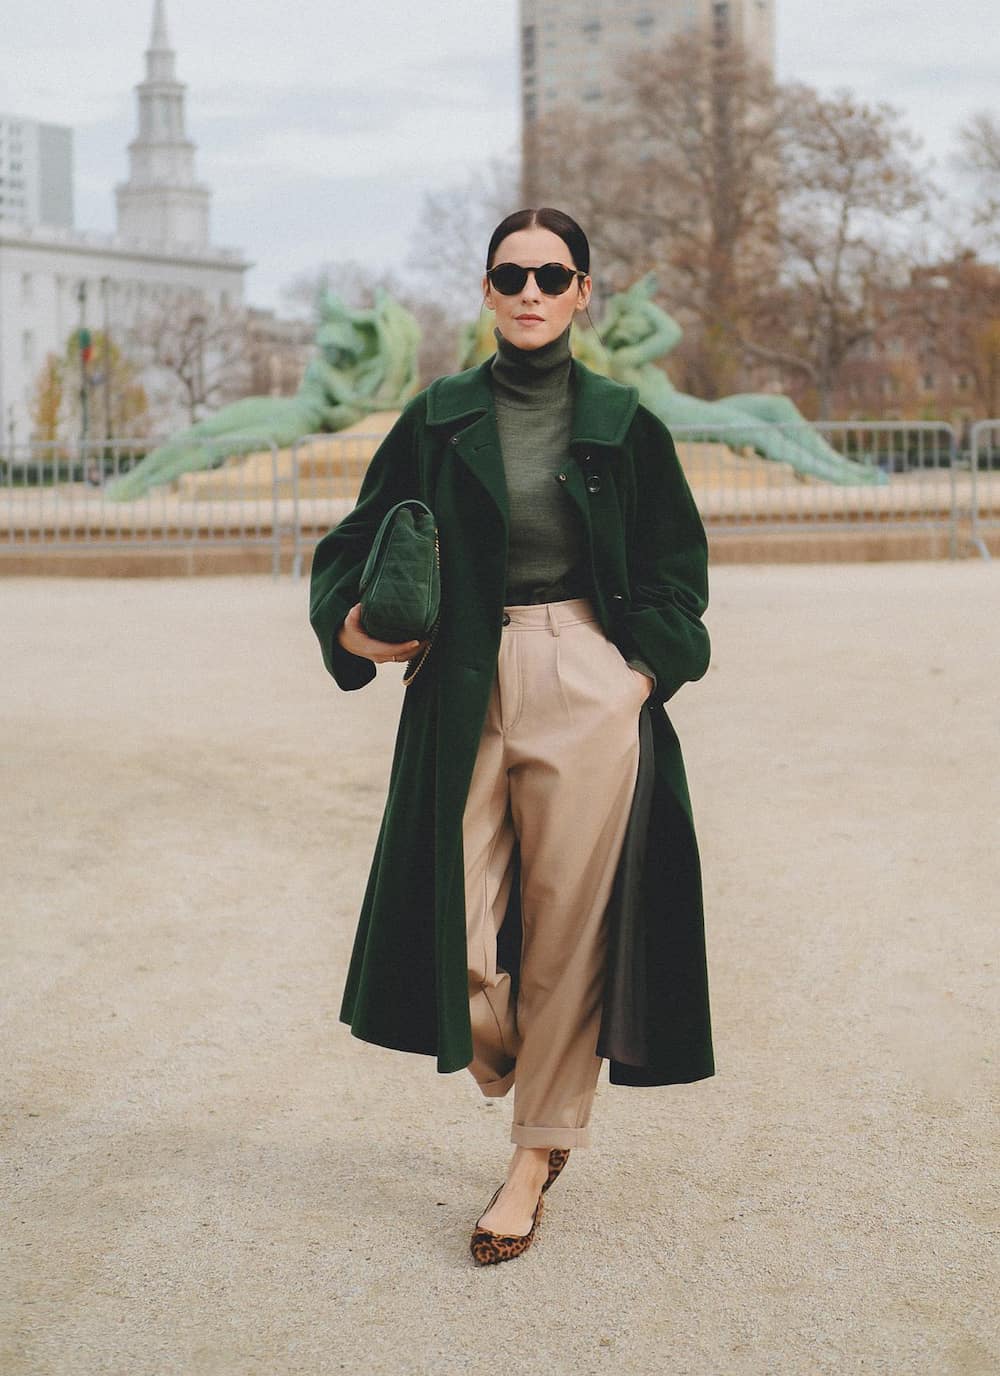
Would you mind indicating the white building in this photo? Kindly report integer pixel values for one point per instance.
(53, 278)
(571, 49)
(36, 172)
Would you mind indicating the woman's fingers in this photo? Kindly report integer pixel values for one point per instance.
(383, 651)
(356, 639)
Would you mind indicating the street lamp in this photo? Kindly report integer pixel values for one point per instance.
(105, 290)
(198, 323)
(85, 345)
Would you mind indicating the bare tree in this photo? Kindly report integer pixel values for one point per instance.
(765, 209)
(709, 122)
(682, 176)
(571, 161)
(440, 330)
(449, 244)
(978, 160)
(355, 283)
(279, 350)
(979, 147)
(200, 346)
(852, 199)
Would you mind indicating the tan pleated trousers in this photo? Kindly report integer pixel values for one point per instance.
(555, 770)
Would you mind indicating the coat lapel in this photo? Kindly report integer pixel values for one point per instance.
(463, 404)
(478, 446)
(602, 413)
(602, 410)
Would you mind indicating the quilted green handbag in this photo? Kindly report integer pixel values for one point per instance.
(400, 587)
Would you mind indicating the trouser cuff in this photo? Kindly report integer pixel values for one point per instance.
(549, 1137)
(496, 1089)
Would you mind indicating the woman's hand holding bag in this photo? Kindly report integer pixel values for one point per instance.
(400, 588)
(356, 641)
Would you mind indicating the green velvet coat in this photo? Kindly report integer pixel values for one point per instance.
(406, 986)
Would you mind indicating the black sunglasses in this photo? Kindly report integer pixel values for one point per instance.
(552, 279)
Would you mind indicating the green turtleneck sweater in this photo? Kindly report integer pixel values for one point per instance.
(547, 560)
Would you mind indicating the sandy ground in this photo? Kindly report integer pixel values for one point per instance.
(203, 1172)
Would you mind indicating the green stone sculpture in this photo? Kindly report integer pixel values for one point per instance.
(634, 333)
(366, 361)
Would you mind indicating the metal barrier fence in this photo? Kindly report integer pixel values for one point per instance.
(326, 473)
(984, 467)
(907, 475)
(55, 497)
(745, 478)
(834, 476)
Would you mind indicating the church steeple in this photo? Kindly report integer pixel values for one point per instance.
(162, 201)
(159, 38)
(159, 54)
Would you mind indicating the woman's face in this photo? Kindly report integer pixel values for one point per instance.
(530, 319)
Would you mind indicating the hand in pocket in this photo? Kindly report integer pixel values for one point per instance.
(646, 681)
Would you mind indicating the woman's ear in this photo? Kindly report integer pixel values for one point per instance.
(487, 295)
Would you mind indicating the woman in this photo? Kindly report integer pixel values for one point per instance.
(534, 902)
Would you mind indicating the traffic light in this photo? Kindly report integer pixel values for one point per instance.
(86, 346)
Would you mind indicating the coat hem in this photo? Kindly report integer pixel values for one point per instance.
(399, 1044)
(640, 1077)
(647, 1077)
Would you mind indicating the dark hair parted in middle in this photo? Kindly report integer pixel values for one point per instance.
(556, 220)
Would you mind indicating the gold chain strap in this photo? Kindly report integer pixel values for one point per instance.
(417, 663)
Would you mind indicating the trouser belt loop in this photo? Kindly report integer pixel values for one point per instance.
(553, 619)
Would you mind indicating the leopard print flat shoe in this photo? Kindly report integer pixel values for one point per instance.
(558, 1157)
(488, 1248)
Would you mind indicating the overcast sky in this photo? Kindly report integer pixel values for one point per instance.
(320, 126)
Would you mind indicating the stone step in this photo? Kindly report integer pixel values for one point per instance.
(204, 558)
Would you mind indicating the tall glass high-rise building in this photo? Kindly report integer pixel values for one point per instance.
(571, 50)
(36, 172)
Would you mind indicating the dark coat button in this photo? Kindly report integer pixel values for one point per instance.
(617, 597)
(561, 477)
(506, 618)
(593, 483)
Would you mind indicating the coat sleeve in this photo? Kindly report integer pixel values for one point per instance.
(668, 564)
(340, 556)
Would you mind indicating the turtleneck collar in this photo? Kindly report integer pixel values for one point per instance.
(532, 377)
